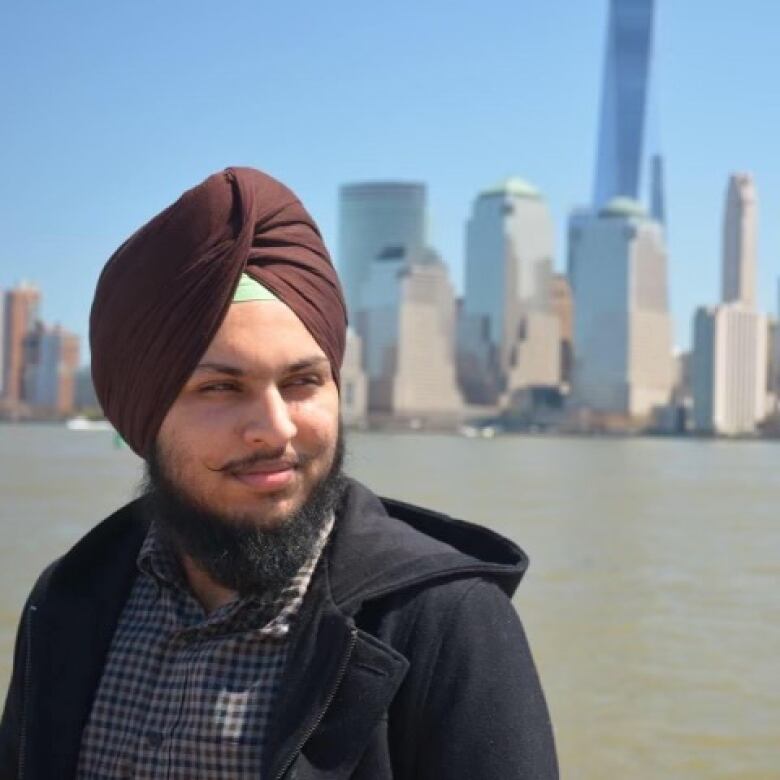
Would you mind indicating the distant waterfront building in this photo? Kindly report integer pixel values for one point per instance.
(509, 264)
(20, 316)
(535, 360)
(622, 138)
(354, 385)
(622, 327)
(563, 305)
(51, 360)
(732, 353)
(579, 218)
(729, 364)
(376, 322)
(425, 380)
(377, 219)
(682, 376)
(409, 323)
(739, 241)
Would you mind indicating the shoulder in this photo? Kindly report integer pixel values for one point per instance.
(382, 547)
(472, 686)
(449, 617)
(103, 553)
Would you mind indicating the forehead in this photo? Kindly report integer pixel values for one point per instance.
(264, 333)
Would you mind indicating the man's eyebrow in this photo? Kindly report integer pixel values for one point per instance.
(310, 362)
(299, 365)
(220, 368)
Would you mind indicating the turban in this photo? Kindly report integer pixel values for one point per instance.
(164, 293)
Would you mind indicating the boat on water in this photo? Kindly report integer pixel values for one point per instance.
(85, 424)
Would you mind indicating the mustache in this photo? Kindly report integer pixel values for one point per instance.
(243, 464)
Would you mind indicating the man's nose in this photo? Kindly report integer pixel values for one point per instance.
(268, 421)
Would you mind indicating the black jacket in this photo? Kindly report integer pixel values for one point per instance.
(407, 659)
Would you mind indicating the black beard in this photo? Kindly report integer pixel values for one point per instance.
(231, 550)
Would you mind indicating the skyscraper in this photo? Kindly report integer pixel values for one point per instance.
(51, 360)
(21, 313)
(377, 219)
(622, 138)
(509, 259)
(408, 318)
(622, 327)
(730, 350)
(425, 380)
(376, 322)
(739, 241)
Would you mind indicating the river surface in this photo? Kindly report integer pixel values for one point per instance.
(652, 603)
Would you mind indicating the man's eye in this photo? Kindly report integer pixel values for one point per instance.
(218, 387)
(302, 381)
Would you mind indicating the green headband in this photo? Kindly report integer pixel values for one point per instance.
(250, 290)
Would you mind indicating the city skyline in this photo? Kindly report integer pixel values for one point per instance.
(523, 101)
(507, 343)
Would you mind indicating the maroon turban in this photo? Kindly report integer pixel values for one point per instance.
(163, 294)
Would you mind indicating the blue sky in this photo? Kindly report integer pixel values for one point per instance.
(110, 110)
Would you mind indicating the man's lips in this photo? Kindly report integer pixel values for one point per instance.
(267, 475)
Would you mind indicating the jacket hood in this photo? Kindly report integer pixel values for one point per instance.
(381, 546)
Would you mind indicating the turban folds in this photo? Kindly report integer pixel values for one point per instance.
(164, 293)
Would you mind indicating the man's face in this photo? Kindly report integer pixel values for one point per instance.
(255, 428)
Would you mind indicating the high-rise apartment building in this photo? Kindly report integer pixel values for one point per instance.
(728, 371)
(51, 361)
(377, 220)
(739, 241)
(621, 156)
(509, 264)
(21, 313)
(622, 328)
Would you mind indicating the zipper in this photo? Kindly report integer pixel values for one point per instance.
(26, 689)
(332, 695)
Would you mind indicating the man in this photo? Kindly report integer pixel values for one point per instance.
(256, 613)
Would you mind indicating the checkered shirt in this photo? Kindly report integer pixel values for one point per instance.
(184, 694)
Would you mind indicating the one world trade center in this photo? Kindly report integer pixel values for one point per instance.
(623, 130)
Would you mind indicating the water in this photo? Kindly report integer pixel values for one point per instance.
(651, 603)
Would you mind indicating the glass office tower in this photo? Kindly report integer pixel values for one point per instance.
(379, 222)
(622, 140)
